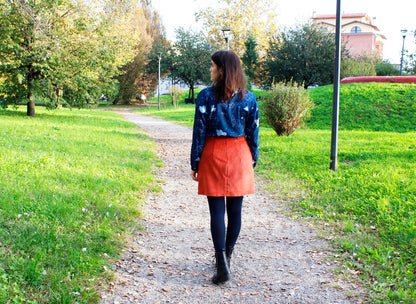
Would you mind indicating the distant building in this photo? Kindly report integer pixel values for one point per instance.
(166, 83)
(358, 34)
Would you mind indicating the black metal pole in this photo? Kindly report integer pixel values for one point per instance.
(335, 99)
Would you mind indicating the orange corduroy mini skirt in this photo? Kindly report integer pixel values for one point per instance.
(226, 167)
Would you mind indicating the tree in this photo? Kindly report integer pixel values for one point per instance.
(411, 66)
(140, 75)
(304, 54)
(250, 58)
(75, 47)
(22, 55)
(191, 59)
(255, 17)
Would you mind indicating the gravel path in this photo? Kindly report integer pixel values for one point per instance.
(276, 260)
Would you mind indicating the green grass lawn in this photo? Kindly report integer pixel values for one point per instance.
(72, 183)
(71, 187)
(368, 206)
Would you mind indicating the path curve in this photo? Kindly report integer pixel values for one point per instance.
(276, 260)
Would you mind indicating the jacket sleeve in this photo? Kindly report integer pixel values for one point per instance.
(252, 129)
(199, 130)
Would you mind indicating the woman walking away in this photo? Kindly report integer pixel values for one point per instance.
(225, 149)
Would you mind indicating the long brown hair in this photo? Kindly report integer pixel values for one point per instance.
(231, 78)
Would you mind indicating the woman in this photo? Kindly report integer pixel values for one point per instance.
(225, 148)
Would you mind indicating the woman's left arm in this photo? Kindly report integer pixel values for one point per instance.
(252, 129)
(199, 131)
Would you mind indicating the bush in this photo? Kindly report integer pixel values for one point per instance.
(351, 67)
(176, 94)
(385, 68)
(285, 107)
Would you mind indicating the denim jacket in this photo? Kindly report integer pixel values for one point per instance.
(235, 118)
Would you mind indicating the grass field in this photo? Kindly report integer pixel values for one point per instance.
(368, 206)
(72, 183)
(71, 187)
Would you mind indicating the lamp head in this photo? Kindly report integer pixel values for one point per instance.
(225, 33)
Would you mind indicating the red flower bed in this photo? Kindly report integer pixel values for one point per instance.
(396, 79)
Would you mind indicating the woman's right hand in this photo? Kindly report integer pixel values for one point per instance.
(194, 175)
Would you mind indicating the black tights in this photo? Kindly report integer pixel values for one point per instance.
(220, 237)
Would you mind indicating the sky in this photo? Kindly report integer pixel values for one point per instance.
(390, 17)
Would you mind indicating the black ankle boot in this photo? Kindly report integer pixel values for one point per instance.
(223, 271)
(228, 253)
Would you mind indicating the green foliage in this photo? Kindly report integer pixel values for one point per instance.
(304, 54)
(191, 59)
(69, 193)
(131, 81)
(385, 68)
(285, 107)
(176, 94)
(74, 46)
(361, 66)
(249, 84)
(250, 58)
(366, 106)
(411, 64)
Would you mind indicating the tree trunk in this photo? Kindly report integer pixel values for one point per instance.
(31, 108)
(193, 95)
(31, 102)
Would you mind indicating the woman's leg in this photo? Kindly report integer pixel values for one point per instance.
(234, 206)
(217, 212)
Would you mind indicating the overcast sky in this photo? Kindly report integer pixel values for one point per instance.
(390, 17)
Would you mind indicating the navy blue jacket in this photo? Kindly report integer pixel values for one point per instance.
(235, 118)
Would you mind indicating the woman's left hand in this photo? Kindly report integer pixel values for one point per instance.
(194, 175)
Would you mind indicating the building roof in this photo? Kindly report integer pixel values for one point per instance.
(326, 23)
(352, 22)
(355, 21)
(333, 16)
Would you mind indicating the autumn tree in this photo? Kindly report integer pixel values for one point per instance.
(140, 75)
(255, 17)
(68, 47)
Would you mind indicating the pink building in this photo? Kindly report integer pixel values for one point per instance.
(358, 33)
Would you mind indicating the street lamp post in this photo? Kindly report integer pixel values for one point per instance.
(335, 96)
(158, 86)
(225, 33)
(404, 31)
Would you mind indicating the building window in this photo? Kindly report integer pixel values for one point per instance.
(356, 29)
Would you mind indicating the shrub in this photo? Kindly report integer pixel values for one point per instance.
(285, 107)
(385, 68)
(176, 94)
(351, 67)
